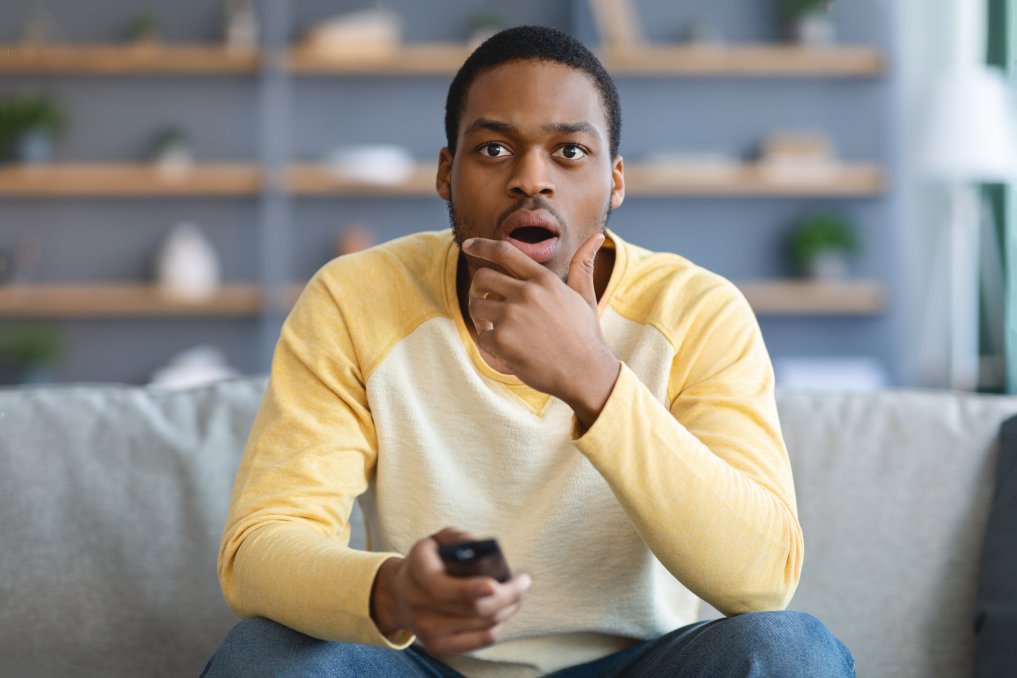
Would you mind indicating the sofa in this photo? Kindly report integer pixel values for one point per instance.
(112, 501)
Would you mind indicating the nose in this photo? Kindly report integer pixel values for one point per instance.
(531, 175)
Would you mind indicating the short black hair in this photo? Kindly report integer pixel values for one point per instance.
(538, 43)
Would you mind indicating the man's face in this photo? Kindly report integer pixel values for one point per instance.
(532, 163)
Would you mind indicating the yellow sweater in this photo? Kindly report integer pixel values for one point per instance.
(680, 490)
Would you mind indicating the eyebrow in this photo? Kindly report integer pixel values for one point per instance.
(481, 124)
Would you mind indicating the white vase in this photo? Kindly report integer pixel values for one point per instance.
(814, 30)
(175, 160)
(829, 265)
(187, 265)
(241, 26)
(35, 147)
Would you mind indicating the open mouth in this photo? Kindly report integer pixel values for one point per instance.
(531, 234)
(536, 242)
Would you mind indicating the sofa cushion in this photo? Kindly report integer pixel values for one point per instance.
(893, 495)
(112, 501)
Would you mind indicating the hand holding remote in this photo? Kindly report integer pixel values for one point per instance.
(448, 614)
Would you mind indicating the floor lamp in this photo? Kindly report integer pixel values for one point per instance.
(969, 141)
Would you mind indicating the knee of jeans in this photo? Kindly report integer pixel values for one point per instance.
(260, 633)
(794, 639)
(255, 646)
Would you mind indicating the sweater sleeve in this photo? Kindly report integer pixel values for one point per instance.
(705, 477)
(285, 553)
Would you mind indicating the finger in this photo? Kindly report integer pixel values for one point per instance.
(485, 313)
(451, 622)
(455, 624)
(428, 574)
(452, 535)
(425, 563)
(509, 594)
(504, 255)
(489, 342)
(477, 597)
(487, 282)
(463, 642)
(581, 268)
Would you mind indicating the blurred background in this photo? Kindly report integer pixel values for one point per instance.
(171, 173)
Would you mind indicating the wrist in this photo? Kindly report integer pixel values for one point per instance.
(594, 392)
(384, 601)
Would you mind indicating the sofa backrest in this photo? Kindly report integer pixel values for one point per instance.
(894, 490)
(112, 501)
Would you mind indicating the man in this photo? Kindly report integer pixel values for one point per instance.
(607, 413)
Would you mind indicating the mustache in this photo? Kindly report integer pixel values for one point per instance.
(530, 204)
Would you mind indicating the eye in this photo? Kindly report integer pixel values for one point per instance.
(493, 150)
(571, 152)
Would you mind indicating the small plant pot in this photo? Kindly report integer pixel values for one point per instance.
(175, 159)
(814, 30)
(828, 265)
(35, 147)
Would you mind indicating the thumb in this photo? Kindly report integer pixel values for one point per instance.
(581, 268)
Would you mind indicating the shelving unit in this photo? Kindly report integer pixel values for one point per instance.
(304, 187)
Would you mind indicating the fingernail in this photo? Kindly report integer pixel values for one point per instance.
(468, 244)
(524, 583)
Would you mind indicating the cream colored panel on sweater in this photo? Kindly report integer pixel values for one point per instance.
(458, 448)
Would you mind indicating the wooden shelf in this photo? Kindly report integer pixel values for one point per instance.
(744, 61)
(811, 298)
(126, 59)
(640, 180)
(649, 60)
(438, 59)
(417, 59)
(128, 181)
(118, 300)
(137, 300)
(308, 180)
(748, 180)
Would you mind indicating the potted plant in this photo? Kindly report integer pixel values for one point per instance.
(173, 154)
(143, 29)
(808, 21)
(27, 354)
(822, 244)
(39, 122)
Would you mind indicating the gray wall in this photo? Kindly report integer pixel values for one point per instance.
(113, 118)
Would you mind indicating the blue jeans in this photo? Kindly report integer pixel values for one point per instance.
(784, 644)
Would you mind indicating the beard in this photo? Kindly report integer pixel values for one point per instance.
(461, 229)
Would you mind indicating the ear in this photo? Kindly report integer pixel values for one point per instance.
(443, 180)
(617, 183)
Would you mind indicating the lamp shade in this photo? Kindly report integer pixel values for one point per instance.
(969, 137)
